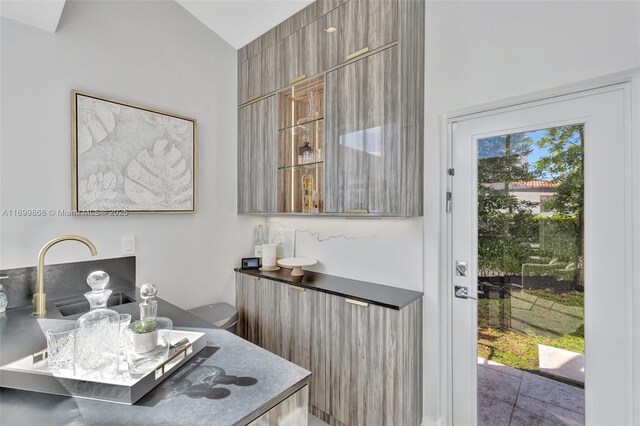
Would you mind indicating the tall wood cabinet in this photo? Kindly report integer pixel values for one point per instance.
(362, 144)
(256, 156)
(370, 54)
(366, 360)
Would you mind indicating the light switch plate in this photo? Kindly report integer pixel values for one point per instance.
(128, 244)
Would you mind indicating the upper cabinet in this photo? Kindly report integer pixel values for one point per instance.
(365, 58)
(365, 25)
(362, 128)
(256, 157)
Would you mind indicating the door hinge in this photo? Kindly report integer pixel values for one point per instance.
(449, 197)
(454, 126)
(451, 172)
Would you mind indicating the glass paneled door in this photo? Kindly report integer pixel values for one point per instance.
(538, 263)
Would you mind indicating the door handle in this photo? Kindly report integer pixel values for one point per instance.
(462, 292)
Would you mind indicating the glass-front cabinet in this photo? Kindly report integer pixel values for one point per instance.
(300, 180)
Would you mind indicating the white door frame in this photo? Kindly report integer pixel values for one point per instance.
(632, 207)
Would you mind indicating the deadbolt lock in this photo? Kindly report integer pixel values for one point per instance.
(461, 268)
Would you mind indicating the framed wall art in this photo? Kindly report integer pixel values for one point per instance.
(130, 158)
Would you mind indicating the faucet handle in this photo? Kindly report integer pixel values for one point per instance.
(98, 280)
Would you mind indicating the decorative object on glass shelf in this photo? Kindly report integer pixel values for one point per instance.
(257, 247)
(60, 348)
(305, 154)
(316, 202)
(148, 339)
(313, 107)
(96, 337)
(307, 193)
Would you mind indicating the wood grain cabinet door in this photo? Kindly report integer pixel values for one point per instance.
(355, 362)
(292, 59)
(247, 305)
(270, 62)
(257, 157)
(294, 316)
(362, 136)
(243, 81)
(366, 24)
(301, 55)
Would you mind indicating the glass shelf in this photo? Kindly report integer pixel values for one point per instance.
(303, 165)
(300, 184)
(306, 123)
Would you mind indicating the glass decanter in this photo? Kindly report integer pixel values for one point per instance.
(97, 333)
(149, 338)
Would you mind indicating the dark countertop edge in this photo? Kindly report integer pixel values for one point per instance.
(276, 400)
(257, 273)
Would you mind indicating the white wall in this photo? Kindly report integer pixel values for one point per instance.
(383, 251)
(479, 52)
(148, 53)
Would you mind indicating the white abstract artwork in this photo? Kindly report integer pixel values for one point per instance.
(131, 159)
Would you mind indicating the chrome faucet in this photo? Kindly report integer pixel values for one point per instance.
(40, 298)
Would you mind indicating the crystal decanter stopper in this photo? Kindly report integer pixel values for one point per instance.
(97, 332)
(149, 338)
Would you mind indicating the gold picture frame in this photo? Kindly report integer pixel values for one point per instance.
(128, 158)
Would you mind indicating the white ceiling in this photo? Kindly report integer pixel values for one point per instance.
(240, 21)
(236, 21)
(43, 14)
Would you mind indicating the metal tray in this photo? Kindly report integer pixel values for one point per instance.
(32, 373)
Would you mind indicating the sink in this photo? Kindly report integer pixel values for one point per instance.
(80, 305)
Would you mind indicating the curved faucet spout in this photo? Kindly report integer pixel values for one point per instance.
(40, 298)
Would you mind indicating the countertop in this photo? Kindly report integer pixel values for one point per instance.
(229, 382)
(375, 294)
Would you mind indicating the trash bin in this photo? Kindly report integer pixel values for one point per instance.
(221, 315)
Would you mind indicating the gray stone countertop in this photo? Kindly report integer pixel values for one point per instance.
(230, 382)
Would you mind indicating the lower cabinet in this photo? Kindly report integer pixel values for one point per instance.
(366, 360)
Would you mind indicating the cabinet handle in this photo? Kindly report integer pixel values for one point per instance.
(253, 98)
(294, 80)
(358, 53)
(356, 302)
(357, 211)
(253, 277)
(295, 287)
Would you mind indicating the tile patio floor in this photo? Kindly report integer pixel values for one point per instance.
(507, 396)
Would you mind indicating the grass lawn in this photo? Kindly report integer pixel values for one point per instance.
(520, 350)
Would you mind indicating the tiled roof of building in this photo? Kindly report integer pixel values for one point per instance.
(534, 183)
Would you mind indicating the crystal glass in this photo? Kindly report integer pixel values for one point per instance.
(60, 347)
(97, 333)
(125, 320)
